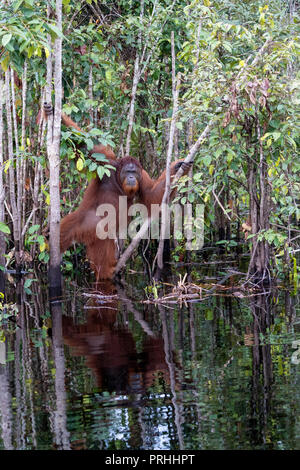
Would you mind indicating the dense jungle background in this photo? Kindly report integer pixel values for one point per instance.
(205, 355)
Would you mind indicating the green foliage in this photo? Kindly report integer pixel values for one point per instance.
(215, 41)
(33, 237)
(4, 228)
(7, 310)
(97, 163)
(23, 32)
(152, 290)
(223, 38)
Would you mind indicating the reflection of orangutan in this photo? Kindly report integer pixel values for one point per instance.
(130, 180)
(110, 349)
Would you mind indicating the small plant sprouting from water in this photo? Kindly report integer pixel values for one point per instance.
(152, 290)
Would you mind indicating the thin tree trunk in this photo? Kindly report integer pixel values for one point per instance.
(136, 79)
(53, 147)
(190, 139)
(90, 92)
(18, 161)
(188, 222)
(6, 405)
(166, 196)
(2, 193)
(140, 66)
(176, 402)
(258, 269)
(12, 189)
(176, 130)
(37, 181)
(23, 144)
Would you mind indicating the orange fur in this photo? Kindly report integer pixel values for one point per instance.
(80, 225)
(130, 191)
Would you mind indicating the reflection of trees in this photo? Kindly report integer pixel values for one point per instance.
(240, 393)
(18, 378)
(169, 347)
(225, 386)
(263, 399)
(111, 351)
(5, 407)
(60, 420)
(262, 368)
(23, 373)
(23, 395)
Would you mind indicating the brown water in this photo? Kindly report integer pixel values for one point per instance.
(222, 373)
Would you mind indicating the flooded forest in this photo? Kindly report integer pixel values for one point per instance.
(149, 225)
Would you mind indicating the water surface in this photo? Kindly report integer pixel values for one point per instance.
(222, 373)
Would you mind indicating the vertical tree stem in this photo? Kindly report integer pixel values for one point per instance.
(2, 193)
(18, 161)
(166, 196)
(23, 144)
(12, 191)
(53, 148)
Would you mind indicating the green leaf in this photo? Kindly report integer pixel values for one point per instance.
(4, 228)
(191, 197)
(6, 38)
(265, 136)
(227, 46)
(5, 62)
(209, 315)
(100, 157)
(207, 160)
(197, 177)
(79, 164)
(28, 283)
(108, 75)
(33, 229)
(24, 45)
(17, 5)
(93, 166)
(101, 172)
(44, 256)
(54, 29)
(89, 144)
(276, 136)
(30, 51)
(40, 239)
